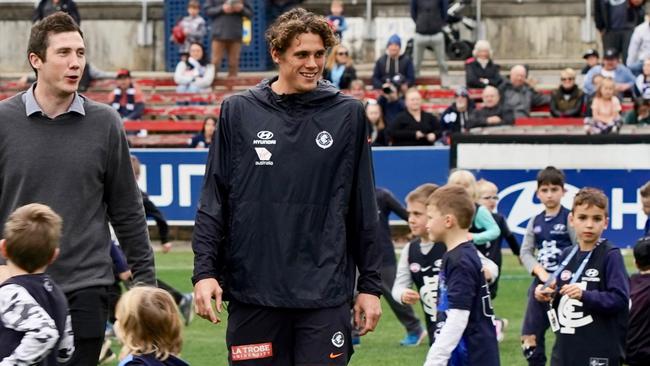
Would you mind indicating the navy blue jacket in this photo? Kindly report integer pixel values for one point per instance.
(387, 203)
(151, 360)
(287, 211)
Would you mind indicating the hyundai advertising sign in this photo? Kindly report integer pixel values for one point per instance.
(518, 203)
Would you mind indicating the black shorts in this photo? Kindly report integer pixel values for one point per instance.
(260, 335)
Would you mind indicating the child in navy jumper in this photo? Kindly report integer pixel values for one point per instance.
(548, 234)
(637, 344)
(149, 327)
(468, 336)
(35, 327)
(589, 291)
(421, 261)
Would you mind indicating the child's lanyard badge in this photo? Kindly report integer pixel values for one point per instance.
(552, 315)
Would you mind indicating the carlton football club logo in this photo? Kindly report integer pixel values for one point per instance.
(525, 204)
(324, 140)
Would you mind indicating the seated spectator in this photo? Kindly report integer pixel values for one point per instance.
(49, 7)
(194, 75)
(611, 68)
(566, 101)
(193, 25)
(378, 135)
(642, 84)
(414, 126)
(358, 90)
(640, 115)
(338, 67)
(518, 96)
(605, 110)
(480, 71)
(639, 48)
(592, 58)
(127, 97)
(391, 64)
(456, 117)
(203, 139)
(493, 113)
(391, 99)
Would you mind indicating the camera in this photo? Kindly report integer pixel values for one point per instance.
(387, 89)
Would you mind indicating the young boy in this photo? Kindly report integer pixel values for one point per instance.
(35, 327)
(549, 234)
(590, 313)
(644, 191)
(637, 345)
(468, 331)
(421, 260)
(194, 28)
(336, 19)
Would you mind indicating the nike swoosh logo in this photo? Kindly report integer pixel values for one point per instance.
(424, 269)
(332, 355)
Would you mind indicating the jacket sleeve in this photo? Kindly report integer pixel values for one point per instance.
(213, 8)
(150, 210)
(396, 207)
(588, 83)
(125, 210)
(539, 99)
(74, 12)
(527, 252)
(247, 11)
(397, 132)
(485, 220)
(616, 296)
(414, 9)
(206, 80)
(180, 77)
(599, 17)
(377, 73)
(635, 46)
(211, 223)
(471, 78)
(362, 217)
(555, 112)
(410, 73)
(119, 261)
(138, 111)
(507, 116)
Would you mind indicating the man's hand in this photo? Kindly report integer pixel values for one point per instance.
(573, 291)
(237, 7)
(431, 137)
(227, 8)
(167, 247)
(410, 297)
(493, 120)
(367, 311)
(204, 291)
(126, 275)
(544, 294)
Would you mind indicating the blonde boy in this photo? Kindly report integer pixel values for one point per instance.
(468, 331)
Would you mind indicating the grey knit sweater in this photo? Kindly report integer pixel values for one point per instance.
(79, 165)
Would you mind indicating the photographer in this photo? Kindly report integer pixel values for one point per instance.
(391, 99)
(392, 64)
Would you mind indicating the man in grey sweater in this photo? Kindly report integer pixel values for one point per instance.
(63, 150)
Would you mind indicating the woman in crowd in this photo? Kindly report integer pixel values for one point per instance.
(338, 68)
(377, 124)
(203, 139)
(567, 100)
(480, 71)
(194, 75)
(414, 126)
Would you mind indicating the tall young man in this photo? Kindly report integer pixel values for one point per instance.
(288, 213)
(63, 150)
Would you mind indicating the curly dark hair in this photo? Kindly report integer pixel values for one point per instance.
(295, 22)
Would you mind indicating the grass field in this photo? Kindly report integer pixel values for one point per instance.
(204, 343)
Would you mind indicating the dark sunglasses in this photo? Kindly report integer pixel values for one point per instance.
(342, 53)
(567, 79)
